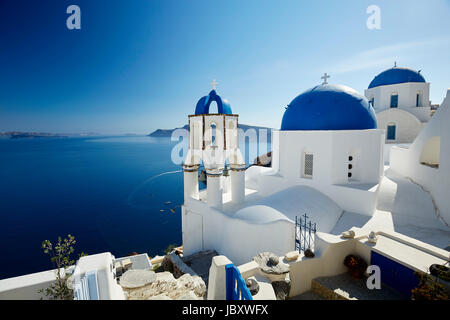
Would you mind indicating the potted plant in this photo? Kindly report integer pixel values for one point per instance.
(356, 266)
(440, 271)
(428, 288)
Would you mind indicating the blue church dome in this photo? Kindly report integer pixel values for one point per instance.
(396, 75)
(223, 106)
(329, 107)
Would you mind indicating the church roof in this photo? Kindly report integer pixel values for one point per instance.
(329, 107)
(223, 106)
(396, 75)
(291, 202)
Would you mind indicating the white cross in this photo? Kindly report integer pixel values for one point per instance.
(214, 83)
(325, 77)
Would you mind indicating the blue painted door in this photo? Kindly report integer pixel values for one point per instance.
(395, 275)
(394, 101)
(391, 132)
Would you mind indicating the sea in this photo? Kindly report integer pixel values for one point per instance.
(113, 194)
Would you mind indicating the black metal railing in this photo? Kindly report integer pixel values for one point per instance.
(304, 233)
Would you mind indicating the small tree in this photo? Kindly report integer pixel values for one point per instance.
(60, 256)
(170, 248)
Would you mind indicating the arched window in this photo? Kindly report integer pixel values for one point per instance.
(213, 108)
(391, 132)
(431, 152)
(418, 98)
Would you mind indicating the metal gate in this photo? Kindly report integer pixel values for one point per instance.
(304, 233)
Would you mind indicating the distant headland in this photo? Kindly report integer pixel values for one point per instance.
(167, 133)
(31, 135)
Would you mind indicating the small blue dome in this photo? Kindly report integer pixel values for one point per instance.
(396, 75)
(223, 106)
(329, 107)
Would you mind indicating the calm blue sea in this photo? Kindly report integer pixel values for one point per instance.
(110, 193)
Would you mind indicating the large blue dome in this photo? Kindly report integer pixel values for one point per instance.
(329, 107)
(396, 75)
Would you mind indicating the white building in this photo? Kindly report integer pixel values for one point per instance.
(327, 159)
(400, 97)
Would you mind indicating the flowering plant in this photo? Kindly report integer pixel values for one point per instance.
(356, 265)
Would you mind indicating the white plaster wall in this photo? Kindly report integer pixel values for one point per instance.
(406, 161)
(192, 230)
(331, 150)
(407, 124)
(217, 278)
(237, 239)
(330, 253)
(406, 98)
(26, 287)
(365, 147)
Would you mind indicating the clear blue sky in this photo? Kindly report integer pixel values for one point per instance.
(139, 65)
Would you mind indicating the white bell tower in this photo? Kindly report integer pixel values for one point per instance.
(214, 139)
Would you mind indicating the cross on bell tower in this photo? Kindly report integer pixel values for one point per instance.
(325, 77)
(214, 84)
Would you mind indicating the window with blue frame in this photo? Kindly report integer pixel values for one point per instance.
(394, 101)
(391, 131)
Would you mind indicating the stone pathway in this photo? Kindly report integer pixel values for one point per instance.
(200, 262)
(347, 288)
(308, 295)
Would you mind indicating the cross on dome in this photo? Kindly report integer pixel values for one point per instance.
(214, 84)
(325, 77)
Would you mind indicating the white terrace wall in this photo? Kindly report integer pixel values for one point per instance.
(407, 161)
(26, 287)
(330, 253)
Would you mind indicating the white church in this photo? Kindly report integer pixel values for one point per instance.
(327, 162)
(400, 97)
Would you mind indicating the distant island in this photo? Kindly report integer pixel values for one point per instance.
(31, 135)
(167, 133)
(20, 135)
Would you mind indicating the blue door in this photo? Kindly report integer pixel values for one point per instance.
(394, 101)
(395, 275)
(391, 131)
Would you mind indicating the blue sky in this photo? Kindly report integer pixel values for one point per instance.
(139, 65)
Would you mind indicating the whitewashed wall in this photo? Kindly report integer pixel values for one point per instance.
(408, 126)
(205, 228)
(436, 180)
(406, 98)
(331, 150)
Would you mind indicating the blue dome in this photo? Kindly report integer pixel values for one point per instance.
(223, 106)
(329, 107)
(396, 75)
